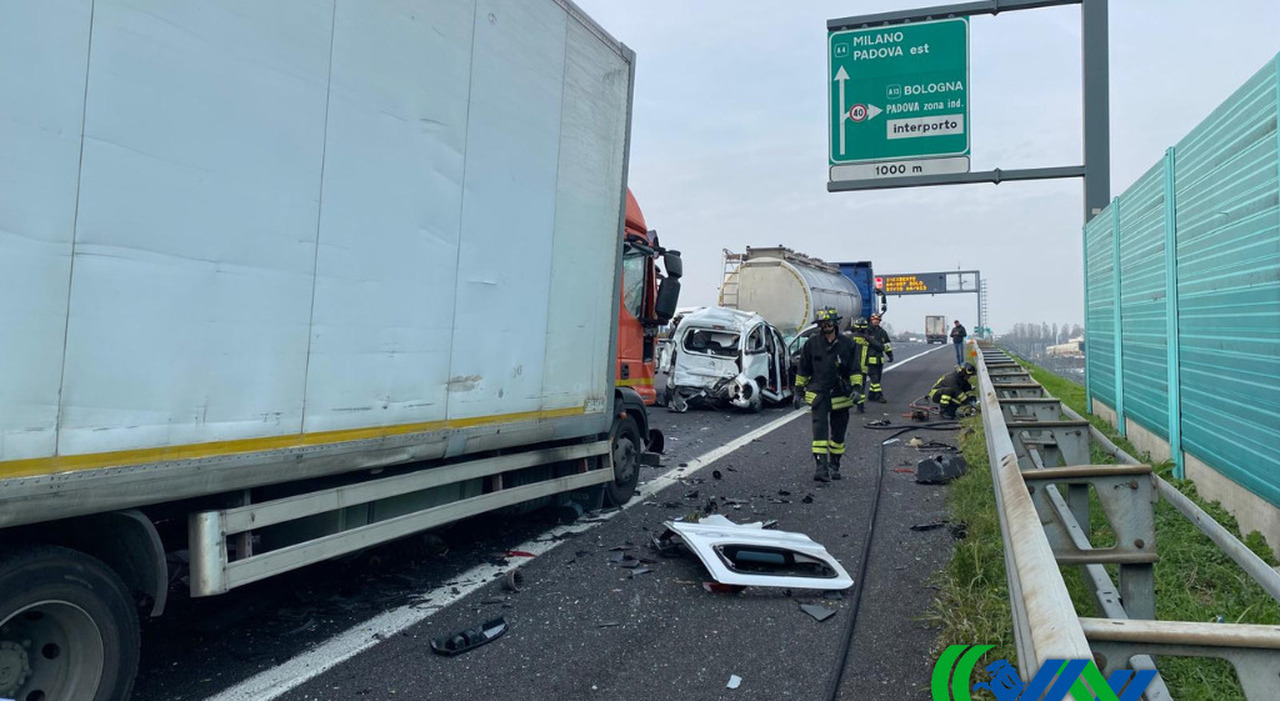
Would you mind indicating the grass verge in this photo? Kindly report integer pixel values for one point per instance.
(1195, 581)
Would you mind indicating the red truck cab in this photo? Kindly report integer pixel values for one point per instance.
(649, 299)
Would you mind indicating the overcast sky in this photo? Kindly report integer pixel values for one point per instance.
(729, 138)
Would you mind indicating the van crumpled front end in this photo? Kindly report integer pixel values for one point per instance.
(725, 357)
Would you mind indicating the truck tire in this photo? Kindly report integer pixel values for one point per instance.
(68, 629)
(626, 449)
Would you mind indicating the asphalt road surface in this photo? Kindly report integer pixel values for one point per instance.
(582, 626)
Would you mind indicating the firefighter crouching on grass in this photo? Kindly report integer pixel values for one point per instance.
(830, 377)
(954, 389)
(881, 349)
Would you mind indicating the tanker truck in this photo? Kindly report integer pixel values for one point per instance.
(787, 288)
(280, 284)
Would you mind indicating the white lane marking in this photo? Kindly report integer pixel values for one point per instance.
(275, 682)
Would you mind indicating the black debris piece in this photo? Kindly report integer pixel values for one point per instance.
(715, 474)
(672, 504)
(808, 499)
(833, 596)
(460, 642)
(666, 546)
(783, 493)
(928, 526)
(879, 422)
(608, 624)
(711, 507)
(691, 495)
(770, 524)
(619, 548)
(940, 469)
(819, 613)
(959, 531)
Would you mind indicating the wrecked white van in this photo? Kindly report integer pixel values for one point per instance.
(725, 356)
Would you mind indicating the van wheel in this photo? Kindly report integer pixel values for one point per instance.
(626, 449)
(68, 629)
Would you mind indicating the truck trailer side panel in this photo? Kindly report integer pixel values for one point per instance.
(301, 238)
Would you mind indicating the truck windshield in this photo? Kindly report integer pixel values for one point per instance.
(633, 266)
(711, 342)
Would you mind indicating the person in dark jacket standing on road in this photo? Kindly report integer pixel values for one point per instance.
(829, 379)
(957, 337)
(953, 390)
(881, 349)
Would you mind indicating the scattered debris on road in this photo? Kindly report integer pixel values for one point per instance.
(940, 469)
(734, 682)
(819, 613)
(470, 639)
(749, 555)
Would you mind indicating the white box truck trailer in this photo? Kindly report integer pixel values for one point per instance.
(283, 280)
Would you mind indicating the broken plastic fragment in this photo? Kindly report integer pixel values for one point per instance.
(749, 555)
(819, 613)
(734, 682)
(469, 639)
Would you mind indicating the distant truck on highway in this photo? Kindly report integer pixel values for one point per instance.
(279, 284)
(935, 329)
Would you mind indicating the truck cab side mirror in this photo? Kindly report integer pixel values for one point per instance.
(669, 291)
(673, 264)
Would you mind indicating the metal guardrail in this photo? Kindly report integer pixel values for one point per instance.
(1036, 455)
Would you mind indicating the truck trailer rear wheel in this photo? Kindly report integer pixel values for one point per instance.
(68, 629)
(627, 447)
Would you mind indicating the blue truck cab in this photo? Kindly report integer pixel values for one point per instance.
(863, 277)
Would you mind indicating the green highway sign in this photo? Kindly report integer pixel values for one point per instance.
(899, 99)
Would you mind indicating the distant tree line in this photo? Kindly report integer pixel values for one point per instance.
(1031, 339)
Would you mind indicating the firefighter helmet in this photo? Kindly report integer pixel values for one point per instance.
(969, 369)
(859, 324)
(827, 314)
(875, 317)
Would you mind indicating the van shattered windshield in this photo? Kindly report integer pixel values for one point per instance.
(711, 342)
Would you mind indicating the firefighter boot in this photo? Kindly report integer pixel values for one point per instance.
(822, 472)
(835, 467)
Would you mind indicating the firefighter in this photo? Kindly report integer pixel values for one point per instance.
(881, 349)
(830, 378)
(954, 389)
(866, 347)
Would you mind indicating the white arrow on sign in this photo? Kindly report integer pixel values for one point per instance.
(842, 76)
(861, 112)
